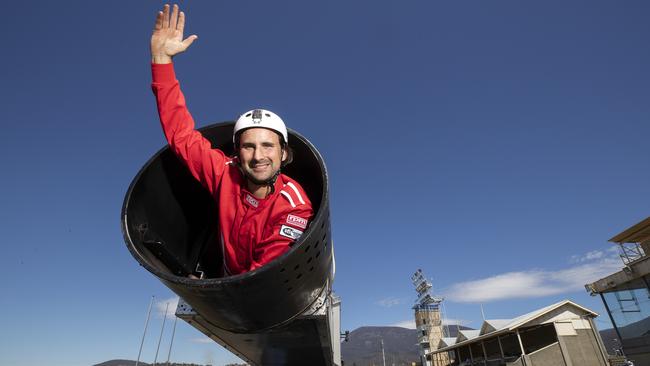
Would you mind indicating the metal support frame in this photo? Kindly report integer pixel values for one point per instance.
(503, 357)
(471, 354)
(611, 318)
(312, 338)
(523, 351)
(484, 353)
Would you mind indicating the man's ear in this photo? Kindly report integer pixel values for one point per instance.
(284, 154)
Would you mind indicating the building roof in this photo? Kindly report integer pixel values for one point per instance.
(467, 334)
(446, 342)
(636, 234)
(528, 317)
(493, 327)
(490, 325)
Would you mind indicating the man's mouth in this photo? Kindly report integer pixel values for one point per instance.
(260, 166)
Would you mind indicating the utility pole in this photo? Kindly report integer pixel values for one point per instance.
(383, 356)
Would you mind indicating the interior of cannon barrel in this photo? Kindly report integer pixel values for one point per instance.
(172, 218)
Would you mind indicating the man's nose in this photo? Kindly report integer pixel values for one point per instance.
(257, 155)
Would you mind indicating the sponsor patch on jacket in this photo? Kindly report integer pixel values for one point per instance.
(290, 232)
(297, 221)
(252, 201)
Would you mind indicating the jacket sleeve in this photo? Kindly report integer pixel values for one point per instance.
(285, 229)
(205, 163)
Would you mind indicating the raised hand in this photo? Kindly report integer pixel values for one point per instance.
(167, 38)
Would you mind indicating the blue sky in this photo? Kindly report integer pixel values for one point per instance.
(495, 145)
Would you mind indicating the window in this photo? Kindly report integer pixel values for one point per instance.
(629, 306)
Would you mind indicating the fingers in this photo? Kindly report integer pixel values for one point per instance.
(181, 22)
(189, 40)
(159, 21)
(174, 18)
(165, 16)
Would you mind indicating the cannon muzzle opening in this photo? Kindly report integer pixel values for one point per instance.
(169, 222)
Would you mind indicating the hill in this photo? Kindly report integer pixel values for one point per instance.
(400, 346)
(132, 363)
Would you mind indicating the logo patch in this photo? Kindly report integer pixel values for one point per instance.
(290, 232)
(252, 201)
(297, 221)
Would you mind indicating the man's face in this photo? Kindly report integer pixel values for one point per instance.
(260, 154)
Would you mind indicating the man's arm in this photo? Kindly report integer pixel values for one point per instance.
(205, 164)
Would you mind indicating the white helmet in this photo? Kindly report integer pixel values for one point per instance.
(260, 118)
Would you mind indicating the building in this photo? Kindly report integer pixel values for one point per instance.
(428, 320)
(626, 293)
(562, 334)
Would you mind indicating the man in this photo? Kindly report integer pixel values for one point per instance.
(261, 211)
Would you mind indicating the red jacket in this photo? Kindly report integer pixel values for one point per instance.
(253, 231)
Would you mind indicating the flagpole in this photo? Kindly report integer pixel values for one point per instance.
(146, 323)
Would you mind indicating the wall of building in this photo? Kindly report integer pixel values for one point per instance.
(515, 363)
(563, 313)
(432, 323)
(423, 326)
(547, 356)
(582, 348)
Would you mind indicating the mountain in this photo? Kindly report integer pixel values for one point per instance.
(400, 346)
(132, 363)
(121, 363)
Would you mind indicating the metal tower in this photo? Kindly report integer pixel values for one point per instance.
(428, 319)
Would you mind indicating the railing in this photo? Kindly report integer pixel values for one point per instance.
(630, 252)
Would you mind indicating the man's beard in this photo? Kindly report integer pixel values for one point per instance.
(266, 182)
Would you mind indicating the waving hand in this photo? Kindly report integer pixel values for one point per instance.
(167, 38)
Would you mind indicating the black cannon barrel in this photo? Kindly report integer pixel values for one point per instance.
(169, 222)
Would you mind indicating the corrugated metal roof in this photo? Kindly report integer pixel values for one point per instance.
(521, 320)
(638, 233)
(447, 341)
(467, 334)
(491, 325)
